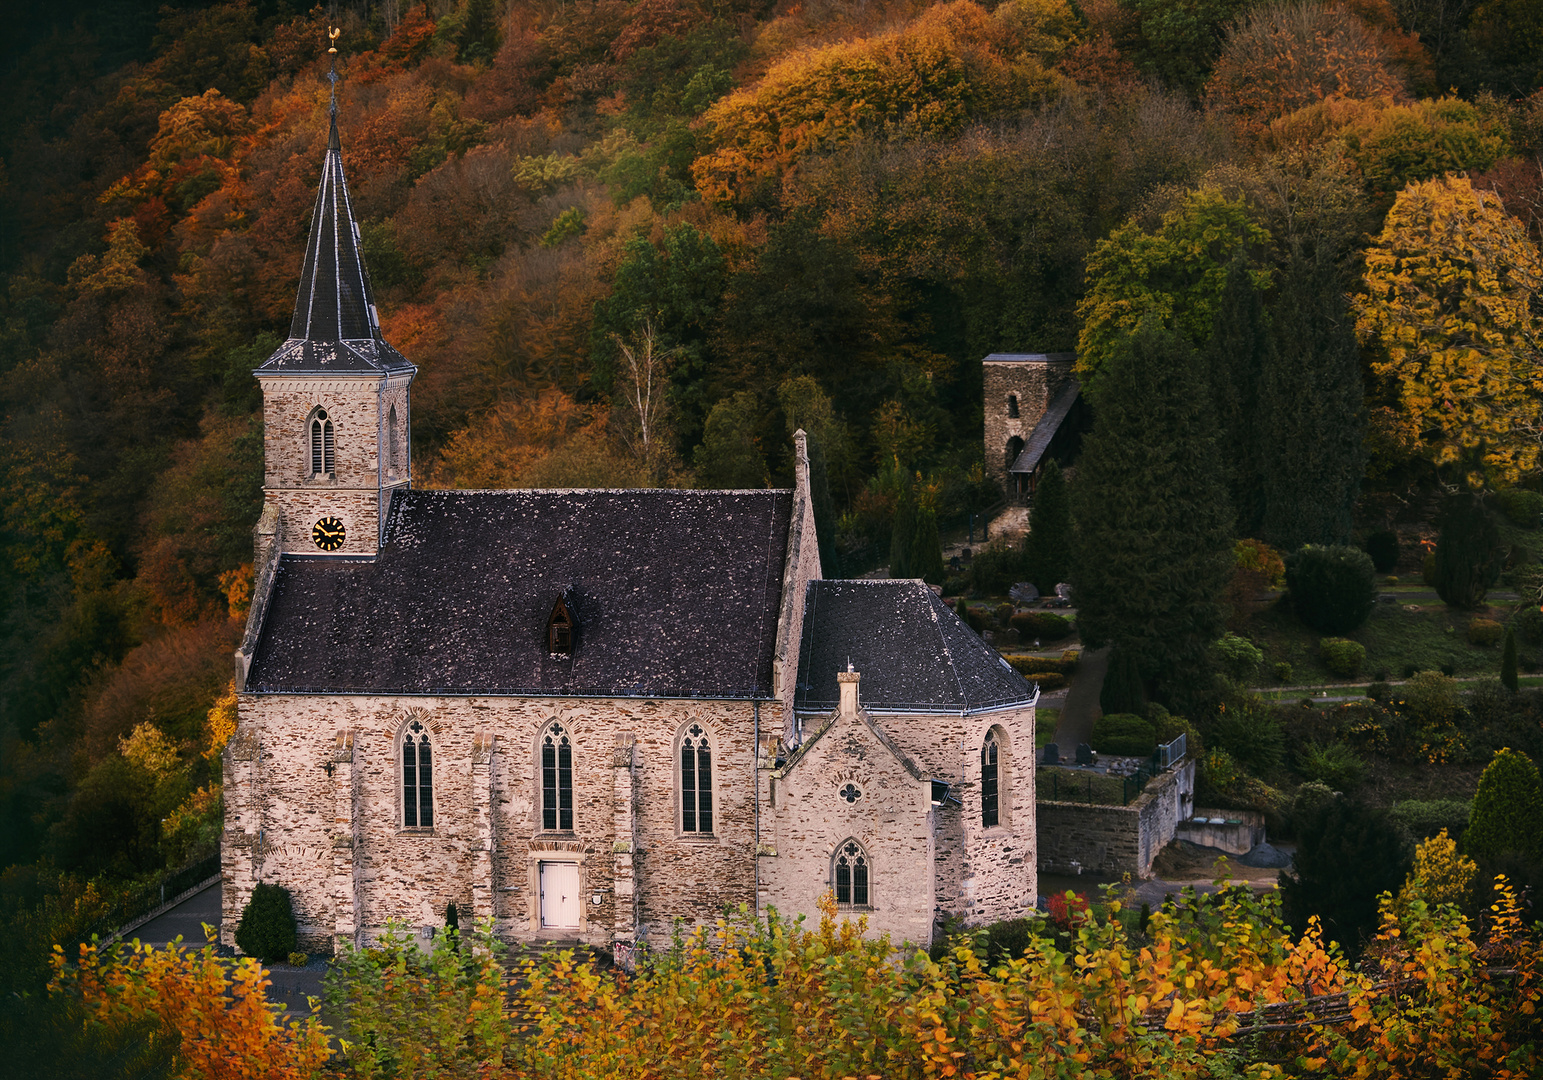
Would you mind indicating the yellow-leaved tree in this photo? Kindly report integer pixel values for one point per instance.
(1451, 297)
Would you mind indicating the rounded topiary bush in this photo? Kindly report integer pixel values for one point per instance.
(1332, 587)
(1124, 733)
(1521, 507)
(267, 926)
(1044, 625)
(1382, 546)
(1341, 656)
(1485, 632)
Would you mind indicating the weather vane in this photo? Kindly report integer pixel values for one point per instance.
(332, 75)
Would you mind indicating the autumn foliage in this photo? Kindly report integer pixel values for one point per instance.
(1212, 983)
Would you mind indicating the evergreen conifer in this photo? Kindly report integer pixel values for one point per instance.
(1048, 547)
(1310, 414)
(1508, 662)
(1347, 855)
(1507, 809)
(267, 926)
(1239, 351)
(1153, 529)
(1469, 551)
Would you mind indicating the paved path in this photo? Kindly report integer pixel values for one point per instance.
(1080, 709)
(291, 985)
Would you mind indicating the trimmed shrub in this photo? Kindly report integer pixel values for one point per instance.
(1341, 656)
(1334, 765)
(1528, 624)
(1004, 615)
(1332, 587)
(1382, 546)
(1124, 733)
(1485, 632)
(1027, 666)
(1044, 625)
(1521, 507)
(975, 618)
(1507, 810)
(1380, 691)
(1284, 672)
(1047, 680)
(1428, 569)
(1425, 818)
(267, 926)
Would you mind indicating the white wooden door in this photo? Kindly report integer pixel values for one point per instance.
(560, 894)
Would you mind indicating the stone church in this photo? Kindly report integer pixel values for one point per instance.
(585, 715)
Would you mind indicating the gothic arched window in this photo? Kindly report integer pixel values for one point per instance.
(392, 454)
(323, 457)
(556, 779)
(989, 777)
(849, 871)
(696, 781)
(417, 778)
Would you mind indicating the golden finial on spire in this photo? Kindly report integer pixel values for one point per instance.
(333, 32)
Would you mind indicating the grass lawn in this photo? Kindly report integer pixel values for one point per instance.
(1046, 720)
(1397, 639)
(1066, 785)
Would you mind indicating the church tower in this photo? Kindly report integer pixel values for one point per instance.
(335, 396)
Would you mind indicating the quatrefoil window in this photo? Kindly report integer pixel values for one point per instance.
(850, 793)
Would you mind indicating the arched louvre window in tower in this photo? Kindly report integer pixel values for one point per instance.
(323, 449)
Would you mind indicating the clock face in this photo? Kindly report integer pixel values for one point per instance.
(328, 533)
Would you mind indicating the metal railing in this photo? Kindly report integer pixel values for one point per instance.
(1170, 754)
(146, 898)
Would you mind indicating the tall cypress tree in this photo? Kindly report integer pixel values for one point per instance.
(1236, 357)
(1048, 547)
(1310, 415)
(1153, 527)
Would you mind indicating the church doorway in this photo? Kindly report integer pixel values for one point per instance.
(560, 895)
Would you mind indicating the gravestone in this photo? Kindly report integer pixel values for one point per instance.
(1051, 755)
(1084, 754)
(1024, 592)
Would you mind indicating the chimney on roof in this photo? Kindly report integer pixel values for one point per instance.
(847, 681)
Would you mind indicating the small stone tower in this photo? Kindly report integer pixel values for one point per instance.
(335, 395)
(1018, 390)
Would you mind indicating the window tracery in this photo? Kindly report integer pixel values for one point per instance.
(696, 781)
(849, 871)
(417, 778)
(556, 779)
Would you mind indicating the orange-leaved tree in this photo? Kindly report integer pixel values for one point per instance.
(1451, 299)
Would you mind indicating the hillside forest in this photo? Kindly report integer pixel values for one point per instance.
(639, 242)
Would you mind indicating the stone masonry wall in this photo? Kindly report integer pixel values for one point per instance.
(983, 875)
(1034, 382)
(1115, 839)
(358, 409)
(332, 835)
(892, 820)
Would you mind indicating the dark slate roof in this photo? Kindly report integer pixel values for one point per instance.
(912, 651)
(677, 595)
(1030, 358)
(335, 327)
(1049, 424)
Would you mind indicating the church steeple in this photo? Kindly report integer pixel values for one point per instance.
(335, 394)
(335, 302)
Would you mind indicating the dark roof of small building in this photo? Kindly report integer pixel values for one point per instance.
(335, 327)
(676, 595)
(913, 652)
(1030, 358)
(1044, 431)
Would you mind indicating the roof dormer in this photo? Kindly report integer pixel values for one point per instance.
(562, 625)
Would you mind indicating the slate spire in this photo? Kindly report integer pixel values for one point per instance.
(335, 302)
(336, 326)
